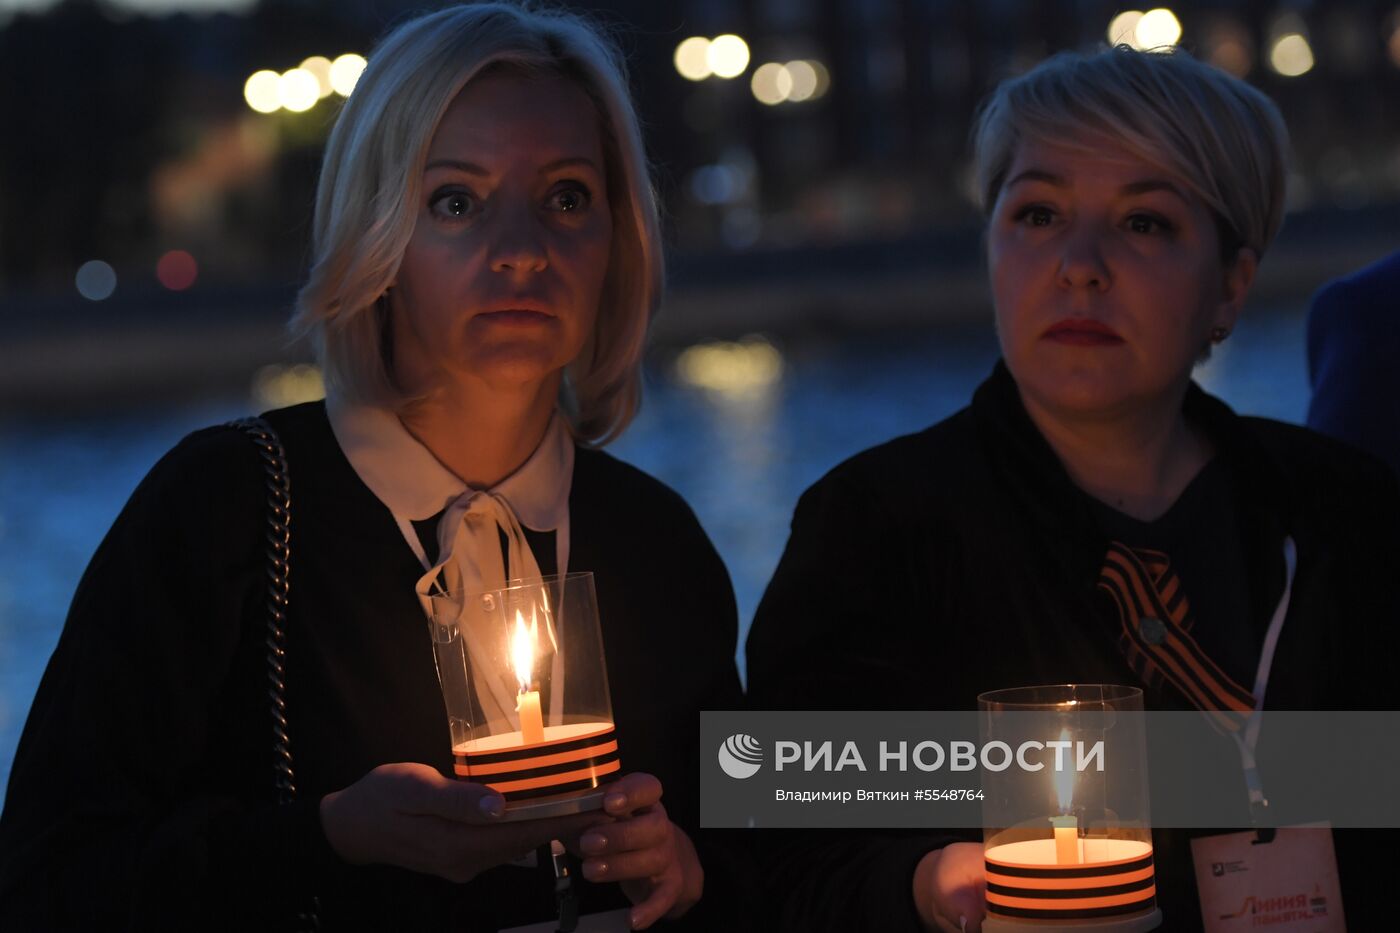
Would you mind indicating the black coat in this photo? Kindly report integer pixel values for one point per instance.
(962, 559)
(142, 791)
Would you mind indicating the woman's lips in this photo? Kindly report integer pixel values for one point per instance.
(521, 316)
(1082, 332)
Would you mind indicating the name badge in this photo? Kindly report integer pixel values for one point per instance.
(612, 921)
(1289, 885)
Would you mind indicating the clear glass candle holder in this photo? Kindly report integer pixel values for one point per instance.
(1068, 844)
(525, 684)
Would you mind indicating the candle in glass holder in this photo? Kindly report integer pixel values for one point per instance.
(546, 749)
(1094, 871)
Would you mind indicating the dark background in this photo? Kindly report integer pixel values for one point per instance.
(124, 135)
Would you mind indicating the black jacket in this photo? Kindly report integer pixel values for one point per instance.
(142, 791)
(961, 559)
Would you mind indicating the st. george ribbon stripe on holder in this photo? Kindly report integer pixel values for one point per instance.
(1060, 884)
(563, 767)
(530, 751)
(1069, 893)
(1073, 908)
(540, 787)
(1098, 870)
(541, 761)
(1028, 913)
(519, 795)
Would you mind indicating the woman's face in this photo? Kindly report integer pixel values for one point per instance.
(501, 279)
(1106, 279)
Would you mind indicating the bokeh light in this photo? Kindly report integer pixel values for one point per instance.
(277, 386)
(1291, 55)
(748, 366)
(297, 90)
(1229, 47)
(804, 81)
(1157, 29)
(345, 72)
(1123, 29)
(794, 82)
(771, 83)
(727, 56)
(692, 58)
(716, 184)
(1233, 56)
(1393, 45)
(261, 91)
(95, 280)
(320, 68)
(823, 78)
(177, 270)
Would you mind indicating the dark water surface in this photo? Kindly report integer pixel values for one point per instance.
(740, 458)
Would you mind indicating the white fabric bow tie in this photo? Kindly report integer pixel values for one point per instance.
(469, 547)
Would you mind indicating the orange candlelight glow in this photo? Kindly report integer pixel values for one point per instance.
(527, 702)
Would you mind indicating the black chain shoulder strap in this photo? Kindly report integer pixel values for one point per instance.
(278, 549)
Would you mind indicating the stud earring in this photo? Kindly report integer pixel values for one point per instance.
(1218, 334)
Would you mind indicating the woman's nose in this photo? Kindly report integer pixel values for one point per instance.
(1081, 261)
(517, 243)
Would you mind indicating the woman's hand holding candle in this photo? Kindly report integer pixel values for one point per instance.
(950, 888)
(650, 856)
(411, 816)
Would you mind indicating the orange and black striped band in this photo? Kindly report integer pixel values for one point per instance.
(543, 769)
(1077, 892)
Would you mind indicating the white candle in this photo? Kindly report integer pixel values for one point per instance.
(527, 702)
(1066, 840)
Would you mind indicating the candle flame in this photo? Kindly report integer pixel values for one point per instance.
(522, 649)
(1064, 781)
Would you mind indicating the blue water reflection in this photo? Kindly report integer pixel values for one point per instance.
(741, 460)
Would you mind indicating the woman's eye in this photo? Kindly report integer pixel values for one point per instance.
(453, 204)
(1146, 223)
(567, 200)
(1035, 216)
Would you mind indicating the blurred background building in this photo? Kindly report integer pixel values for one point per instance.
(158, 157)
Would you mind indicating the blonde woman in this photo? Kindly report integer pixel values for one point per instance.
(486, 260)
(1129, 198)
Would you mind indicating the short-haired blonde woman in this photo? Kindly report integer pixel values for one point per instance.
(1129, 197)
(486, 260)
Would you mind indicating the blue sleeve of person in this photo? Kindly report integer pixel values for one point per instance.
(1354, 360)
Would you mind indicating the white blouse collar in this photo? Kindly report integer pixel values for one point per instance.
(414, 485)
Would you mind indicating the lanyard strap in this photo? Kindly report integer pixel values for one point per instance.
(1249, 740)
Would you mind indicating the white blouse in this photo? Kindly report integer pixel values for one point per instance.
(413, 485)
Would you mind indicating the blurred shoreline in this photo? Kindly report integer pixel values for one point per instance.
(66, 355)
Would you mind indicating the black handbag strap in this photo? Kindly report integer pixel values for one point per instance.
(278, 549)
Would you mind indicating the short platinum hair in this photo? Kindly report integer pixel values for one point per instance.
(1222, 138)
(370, 187)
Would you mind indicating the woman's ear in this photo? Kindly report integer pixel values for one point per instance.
(1239, 278)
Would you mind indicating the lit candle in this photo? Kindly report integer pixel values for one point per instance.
(1066, 840)
(1066, 826)
(527, 702)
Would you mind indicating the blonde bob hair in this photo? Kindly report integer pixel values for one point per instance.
(370, 188)
(1222, 138)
